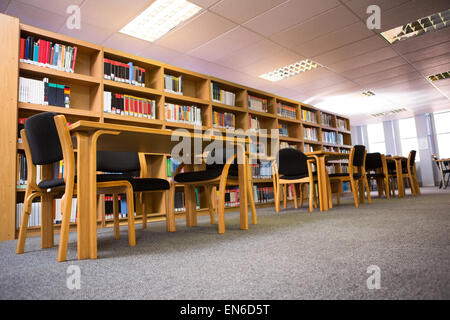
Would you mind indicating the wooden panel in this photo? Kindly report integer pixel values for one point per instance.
(9, 73)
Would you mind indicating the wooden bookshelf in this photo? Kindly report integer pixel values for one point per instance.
(87, 85)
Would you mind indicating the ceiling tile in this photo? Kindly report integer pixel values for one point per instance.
(430, 52)
(59, 6)
(103, 13)
(158, 53)
(352, 50)
(204, 3)
(378, 66)
(272, 62)
(385, 76)
(334, 40)
(422, 42)
(34, 16)
(440, 62)
(437, 69)
(87, 32)
(394, 80)
(360, 6)
(196, 32)
(363, 60)
(125, 43)
(226, 43)
(241, 11)
(288, 14)
(4, 5)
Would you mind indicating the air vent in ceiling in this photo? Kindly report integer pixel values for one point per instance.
(439, 76)
(388, 113)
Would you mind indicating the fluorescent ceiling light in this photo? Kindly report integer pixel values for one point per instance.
(158, 19)
(434, 22)
(388, 113)
(291, 70)
(439, 76)
(368, 93)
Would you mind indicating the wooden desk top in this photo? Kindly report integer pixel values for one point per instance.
(394, 158)
(329, 155)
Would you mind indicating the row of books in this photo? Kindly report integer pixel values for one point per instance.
(310, 134)
(184, 114)
(257, 148)
(172, 165)
(109, 206)
(308, 148)
(124, 72)
(263, 194)
(283, 129)
(22, 170)
(222, 96)
(329, 137)
(231, 197)
(326, 119)
(330, 169)
(341, 124)
(286, 111)
(129, 105)
(253, 122)
(180, 201)
(309, 116)
(225, 120)
(262, 170)
(173, 84)
(47, 54)
(257, 104)
(284, 145)
(330, 149)
(34, 219)
(58, 214)
(340, 139)
(43, 92)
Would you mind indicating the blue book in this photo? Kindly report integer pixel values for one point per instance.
(131, 73)
(36, 52)
(123, 205)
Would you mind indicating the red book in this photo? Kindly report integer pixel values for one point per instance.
(74, 58)
(126, 105)
(145, 108)
(22, 48)
(51, 56)
(40, 50)
(140, 107)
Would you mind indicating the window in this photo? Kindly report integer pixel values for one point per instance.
(375, 133)
(408, 136)
(442, 125)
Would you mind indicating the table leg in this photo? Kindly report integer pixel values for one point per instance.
(87, 198)
(322, 180)
(243, 184)
(400, 183)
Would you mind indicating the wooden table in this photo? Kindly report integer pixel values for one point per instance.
(93, 136)
(440, 163)
(399, 171)
(321, 158)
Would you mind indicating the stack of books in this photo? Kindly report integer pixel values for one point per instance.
(183, 114)
(109, 207)
(173, 84)
(47, 54)
(224, 120)
(308, 148)
(231, 197)
(326, 119)
(127, 105)
(124, 72)
(253, 122)
(341, 124)
(286, 111)
(340, 139)
(310, 134)
(222, 96)
(309, 116)
(283, 129)
(257, 104)
(43, 92)
(262, 170)
(263, 194)
(329, 137)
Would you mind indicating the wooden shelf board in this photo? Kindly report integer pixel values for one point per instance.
(119, 117)
(185, 99)
(284, 119)
(261, 114)
(183, 125)
(74, 78)
(328, 128)
(129, 87)
(310, 124)
(60, 110)
(290, 139)
(228, 107)
(312, 142)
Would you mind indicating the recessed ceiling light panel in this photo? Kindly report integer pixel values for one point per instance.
(368, 93)
(416, 28)
(439, 76)
(291, 70)
(158, 19)
(388, 113)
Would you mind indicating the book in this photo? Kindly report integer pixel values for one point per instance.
(257, 104)
(224, 120)
(286, 111)
(183, 114)
(173, 84)
(309, 116)
(43, 92)
(124, 72)
(222, 96)
(128, 105)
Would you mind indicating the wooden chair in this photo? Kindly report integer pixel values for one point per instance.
(47, 140)
(376, 168)
(356, 174)
(408, 172)
(132, 167)
(215, 174)
(295, 169)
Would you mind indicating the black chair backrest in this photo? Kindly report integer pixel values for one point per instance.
(373, 161)
(292, 162)
(43, 138)
(358, 157)
(217, 162)
(118, 162)
(412, 158)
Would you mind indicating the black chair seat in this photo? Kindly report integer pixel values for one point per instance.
(149, 184)
(299, 176)
(339, 175)
(51, 183)
(205, 175)
(375, 175)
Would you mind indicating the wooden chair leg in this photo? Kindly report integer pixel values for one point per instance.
(366, 183)
(142, 200)
(412, 184)
(130, 213)
(66, 206)
(315, 197)
(330, 197)
(277, 197)
(170, 213)
(24, 223)
(355, 192)
(116, 216)
(386, 188)
(210, 204)
(294, 188)
(221, 208)
(301, 187)
(312, 196)
(285, 189)
(360, 183)
(252, 203)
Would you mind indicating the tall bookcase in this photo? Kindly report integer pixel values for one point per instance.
(87, 87)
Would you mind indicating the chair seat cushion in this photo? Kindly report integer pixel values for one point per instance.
(51, 183)
(110, 177)
(299, 176)
(197, 176)
(339, 175)
(375, 175)
(149, 184)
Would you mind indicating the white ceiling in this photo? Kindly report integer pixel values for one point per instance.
(238, 40)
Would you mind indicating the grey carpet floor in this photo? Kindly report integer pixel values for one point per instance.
(290, 255)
